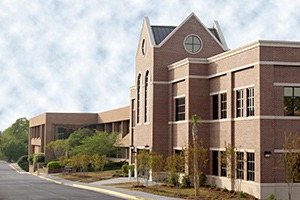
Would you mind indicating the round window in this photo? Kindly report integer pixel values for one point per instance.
(143, 47)
(192, 44)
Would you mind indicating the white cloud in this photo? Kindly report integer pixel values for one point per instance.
(78, 56)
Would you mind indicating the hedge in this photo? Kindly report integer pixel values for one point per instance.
(39, 157)
(53, 165)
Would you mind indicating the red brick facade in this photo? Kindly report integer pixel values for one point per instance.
(262, 67)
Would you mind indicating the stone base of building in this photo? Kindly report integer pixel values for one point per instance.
(259, 190)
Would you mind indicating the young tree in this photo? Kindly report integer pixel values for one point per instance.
(156, 164)
(59, 147)
(143, 163)
(175, 164)
(77, 137)
(291, 160)
(200, 152)
(63, 161)
(98, 162)
(74, 161)
(228, 159)
(195, 125)
(100, 143)
(84, 161)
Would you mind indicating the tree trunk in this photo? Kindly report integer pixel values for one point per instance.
(196, 175)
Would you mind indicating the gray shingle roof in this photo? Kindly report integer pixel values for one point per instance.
(161, 32)
(215, 33)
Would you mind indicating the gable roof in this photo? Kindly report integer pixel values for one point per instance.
(160, 34)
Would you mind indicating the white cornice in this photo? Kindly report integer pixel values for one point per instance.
(187, 61)
(178, 27)
(149, 30)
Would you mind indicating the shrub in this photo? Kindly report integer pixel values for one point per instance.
(23, 163)
(30, 158)
(39, 157)
(241, 194)
(202, 179)
(124, 169)
(271, 197)
(53, 165)
(186, 182)
(110, 165)
(173, 179)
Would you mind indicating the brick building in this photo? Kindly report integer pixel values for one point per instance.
(248, 97)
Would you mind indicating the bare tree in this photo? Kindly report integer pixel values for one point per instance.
(195, 123)
(291, 160)
(228, 159)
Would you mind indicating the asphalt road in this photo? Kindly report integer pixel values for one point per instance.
(14, 186)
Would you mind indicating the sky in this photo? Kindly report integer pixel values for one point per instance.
(79, 55)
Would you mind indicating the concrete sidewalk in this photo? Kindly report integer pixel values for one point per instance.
(100, 186)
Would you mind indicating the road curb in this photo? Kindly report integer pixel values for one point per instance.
(95, 189)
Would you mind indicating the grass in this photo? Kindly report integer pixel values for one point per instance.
(186, 193)
(89, 177)
(211, 193)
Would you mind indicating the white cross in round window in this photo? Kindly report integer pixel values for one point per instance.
(192, 44)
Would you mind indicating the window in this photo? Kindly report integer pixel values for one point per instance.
(180, 109)
(223, 165)
(138, 99)
(240, 165)
(143, 47)
(250, 167)
(215, 163)
(250, 102)
(292, 101)
(146, 97)
(133, 112)
(192, 44)
(223, 105)
(239, 103)
(215, 107)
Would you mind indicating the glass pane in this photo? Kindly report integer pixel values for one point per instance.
(189, 40)
(297, 92)
(189, 47)
(196, 40)
(297, 106)
(196, 48)
(288, 91)
(288, 106)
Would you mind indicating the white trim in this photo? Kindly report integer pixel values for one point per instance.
(196, 77)
(280, 117)
(179, 96)
(287, 84)
(179, 27)
(243, 87)
(297, 64)
(218, 92)
(217, 120)
(249, 150)
(234, 70)
(149, 30)
(216, 149)
(286, 151)
(187, 61)
(177, 148)
(201, 43)
(220, 33)
(252, 118)
(161, 82)
(179, 122)
(177, 80)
